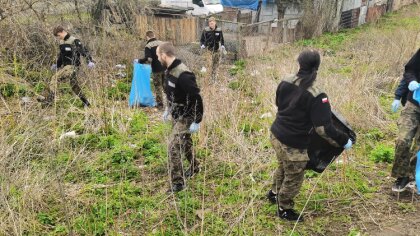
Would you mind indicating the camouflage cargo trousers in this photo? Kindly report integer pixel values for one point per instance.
(213, 61)
(405, 150)
(68, 73)
(180, 146)
(289, 176)
(158, 80)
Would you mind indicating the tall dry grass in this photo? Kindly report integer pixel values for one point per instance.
(372, 62)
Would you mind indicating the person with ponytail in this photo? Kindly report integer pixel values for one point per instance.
(303, 108)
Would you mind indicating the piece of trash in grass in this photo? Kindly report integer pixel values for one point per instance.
(71, 134)
(121, 75)
(26, 100)
(342, 160)
(266, 115)
(252, 178)
(120, 66)
(201, 213)
(203, 69)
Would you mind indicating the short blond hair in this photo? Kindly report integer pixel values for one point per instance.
(212, 19)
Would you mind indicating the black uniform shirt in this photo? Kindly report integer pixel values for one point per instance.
(183, 93)
(312, 112)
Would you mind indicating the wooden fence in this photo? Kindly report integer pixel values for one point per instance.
(242, 39)
(179, 31)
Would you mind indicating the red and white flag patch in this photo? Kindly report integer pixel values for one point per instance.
(325, 100)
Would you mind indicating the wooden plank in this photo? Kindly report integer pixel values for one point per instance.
(179, 31)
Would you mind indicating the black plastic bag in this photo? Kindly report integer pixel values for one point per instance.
(320, 152)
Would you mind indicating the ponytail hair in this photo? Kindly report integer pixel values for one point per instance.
(309, 61)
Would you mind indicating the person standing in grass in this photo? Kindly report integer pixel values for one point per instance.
(67, 66)
(302, 108)
(212, 39)
(185, 105)
(158, 75)
(403, 168)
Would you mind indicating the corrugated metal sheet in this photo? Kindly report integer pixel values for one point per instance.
(350, 19)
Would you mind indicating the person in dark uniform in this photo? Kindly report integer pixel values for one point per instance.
(185, 105)
(212, 39)
(302, 108)
(68, 63)
(158, 74)
(403, 168)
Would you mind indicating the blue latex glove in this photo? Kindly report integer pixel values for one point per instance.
(165, 115)
(348, 145)
(395, 105)
(413, 85)
(202, 46)
(91, 65)
(136, 61)
(194, 127)
(54, 67)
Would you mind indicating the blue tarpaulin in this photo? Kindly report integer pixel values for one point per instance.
(246, 4)
(141, 92)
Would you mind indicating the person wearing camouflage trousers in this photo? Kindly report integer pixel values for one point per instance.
(158, 71)
(67, 66)
(181, 145)
(185, 105)
(407, 130)
(67, 73)
(405, 151)
(302, 109)
(211, 37)
(289, 177)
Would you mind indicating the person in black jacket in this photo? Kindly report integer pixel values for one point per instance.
(157, 68)
(185, 105)
(211, 37)
(302, 108)
(403, 169)
(67, 65)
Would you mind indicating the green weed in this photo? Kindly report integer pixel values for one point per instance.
(382, 153)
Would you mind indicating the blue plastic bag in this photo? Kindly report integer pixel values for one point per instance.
(416, 95)
(418, 173)
(141, 92)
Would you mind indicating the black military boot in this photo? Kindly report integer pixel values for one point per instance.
(272, 197)
(175, 188)
(289, 214)
(400, 184)
(85, 101)
(191, 172)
